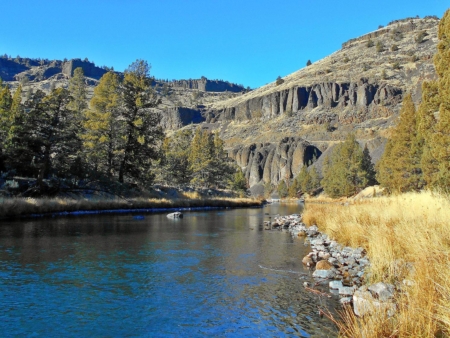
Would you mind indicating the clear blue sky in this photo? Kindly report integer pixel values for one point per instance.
(243, 41)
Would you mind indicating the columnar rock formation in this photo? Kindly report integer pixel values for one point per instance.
(206, 85)
(272, 162)
(364, 96)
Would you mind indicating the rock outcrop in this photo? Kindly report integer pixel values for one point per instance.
(272, 162)
(89, 68)
(178, 117)
(366, 97)
(206, 85)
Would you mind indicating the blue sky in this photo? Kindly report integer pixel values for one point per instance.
(247, 42)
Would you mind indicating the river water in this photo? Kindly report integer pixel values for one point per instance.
(212, 273)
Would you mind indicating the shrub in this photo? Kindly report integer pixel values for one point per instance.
(308, 63)
(346, 59)
(394, 48)
(396, 65)
(279, 81)
(420, 37)
(370, 43)
(380, 47)
(384, 75)
(414, 58)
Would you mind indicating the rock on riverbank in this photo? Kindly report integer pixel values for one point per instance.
(344, 266)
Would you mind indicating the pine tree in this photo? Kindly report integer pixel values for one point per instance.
(399, 167)
(78, 91)
(175, 164)
(46, 140)
(141, 133)
(343, 173)
(368, 167)
(426, 129)
(315, 180)
(294, 187)
(440, 144)
(101, 121)
(304, 180)
(282, 189)
(239, 183)
(5, 118)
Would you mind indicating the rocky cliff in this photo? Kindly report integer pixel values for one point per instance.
(206, 85)
(356, 89)
(273, 162)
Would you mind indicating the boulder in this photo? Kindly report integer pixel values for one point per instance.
(307, 260)
(382, 291)
(324, 265)
(176, 214)
(335, 284)
(364, 303)
(324, 274)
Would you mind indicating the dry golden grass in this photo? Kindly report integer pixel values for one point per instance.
(16, 207)
(407, 237)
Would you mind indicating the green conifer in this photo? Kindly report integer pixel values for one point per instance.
(399, 167)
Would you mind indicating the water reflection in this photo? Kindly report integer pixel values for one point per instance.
(210, 273)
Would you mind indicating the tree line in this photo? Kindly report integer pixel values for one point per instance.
(117, 137)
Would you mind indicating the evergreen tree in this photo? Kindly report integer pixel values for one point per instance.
(140, 133)
(343, 172)
(304, 180)
(45, 141)
(441, 140)
(175, 164)
(5, 118)
(282, 189)
(368, 167)
(399, 167)
(77, 90)
(208, 161)
(294, 187)
(426, 130)
(239, 183)
(101, 121)
(315, 180)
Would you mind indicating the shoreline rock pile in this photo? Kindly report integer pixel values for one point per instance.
(344, 266)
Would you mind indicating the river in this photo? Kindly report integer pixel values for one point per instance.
(212, 273)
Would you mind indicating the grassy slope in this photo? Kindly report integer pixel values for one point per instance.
(407, 237)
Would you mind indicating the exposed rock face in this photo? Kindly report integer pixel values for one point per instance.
(344, 98)
(9, 68)
(271, 162)
(89, 68)
(178, 117)
(206, 85)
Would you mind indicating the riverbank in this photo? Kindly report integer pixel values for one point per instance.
(407, 241)
(33, 207)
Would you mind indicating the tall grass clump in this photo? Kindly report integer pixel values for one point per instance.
(407, 238)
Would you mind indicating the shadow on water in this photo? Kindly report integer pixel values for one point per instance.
(211, 273)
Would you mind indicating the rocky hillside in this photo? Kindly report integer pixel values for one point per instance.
(356, 89)
(183, 101)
